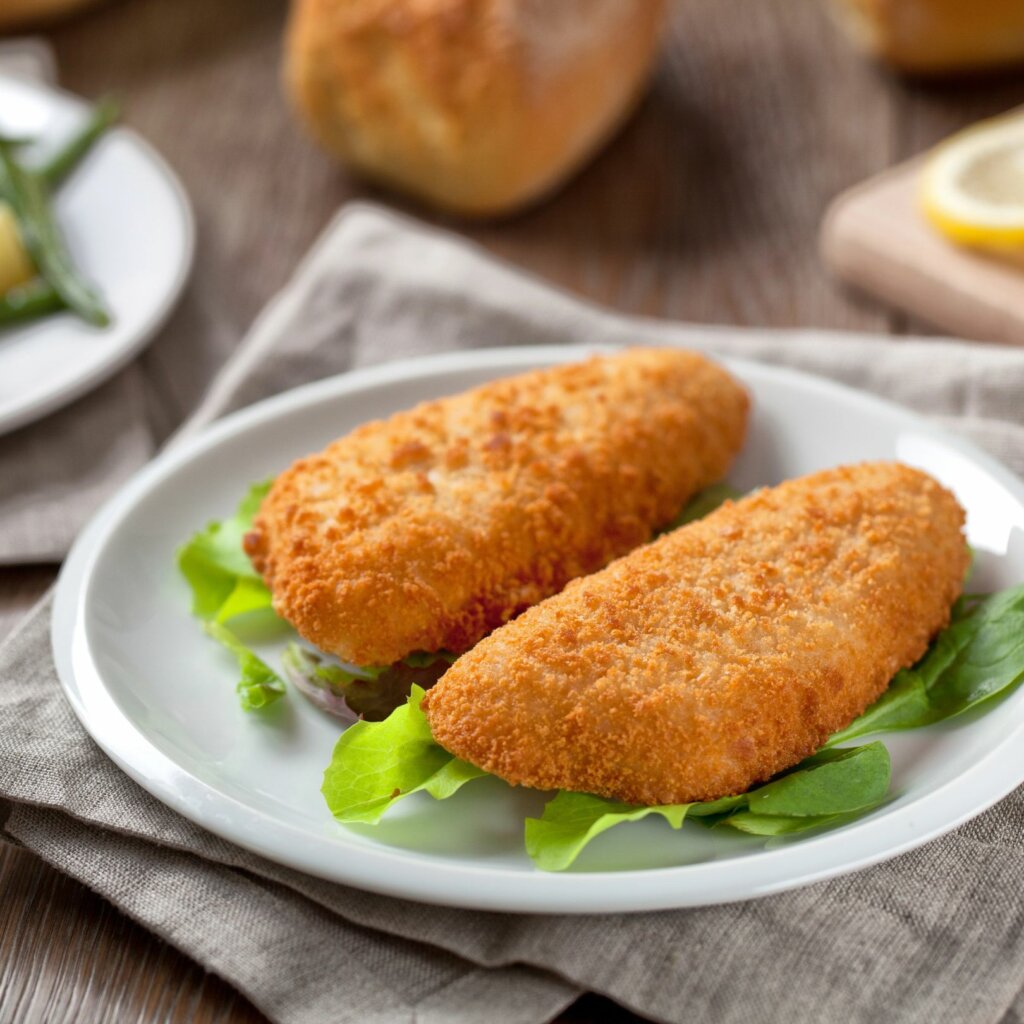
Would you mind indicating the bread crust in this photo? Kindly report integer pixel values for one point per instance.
(427, 530)
(16, 13)
(938, 36)
(720, 654)
(477, 106)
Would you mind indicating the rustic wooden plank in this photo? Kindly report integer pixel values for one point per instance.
(67, 956)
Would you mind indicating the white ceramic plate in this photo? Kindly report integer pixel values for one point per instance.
(129, 228)
(159, 697)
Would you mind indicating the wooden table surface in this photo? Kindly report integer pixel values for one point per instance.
(705, 208)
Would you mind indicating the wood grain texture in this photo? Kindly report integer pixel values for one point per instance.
(66, 956)
(705, 208)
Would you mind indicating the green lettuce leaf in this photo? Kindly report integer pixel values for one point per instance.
(764, 825)
(259, 686)
(977, 657)
(831, 786)
(223, 581)
(225, 585)
(703, 504)
(571, 820)
(376, 763)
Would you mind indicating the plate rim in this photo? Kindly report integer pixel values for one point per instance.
(28, 412)
(438, 880)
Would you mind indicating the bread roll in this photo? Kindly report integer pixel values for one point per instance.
(934, 36)
(15, 13)
(476, 106)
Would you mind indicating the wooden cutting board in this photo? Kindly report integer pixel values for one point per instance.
(874, 237)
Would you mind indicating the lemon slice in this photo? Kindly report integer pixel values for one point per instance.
(973, 184)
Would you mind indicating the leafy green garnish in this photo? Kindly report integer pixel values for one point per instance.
(428, 659)
(371, 692)
(225, 585)
(223, 581)
(821, 790)
(314, 666)
(703, 504)
(376, 763)
(259, 685)
(834, 781)
(980, 655)
(571, 820)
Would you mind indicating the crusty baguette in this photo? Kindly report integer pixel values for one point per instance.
(937, 36)
(477, 106)
(16, 13)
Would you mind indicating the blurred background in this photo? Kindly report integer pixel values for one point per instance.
(706, 206)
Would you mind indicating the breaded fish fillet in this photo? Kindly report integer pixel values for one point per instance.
(427, 530)
(722, 653)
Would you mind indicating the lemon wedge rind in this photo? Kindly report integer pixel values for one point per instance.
(957, 205)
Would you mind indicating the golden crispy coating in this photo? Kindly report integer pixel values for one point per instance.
(720, 654)
(477, 106)
(427, 530)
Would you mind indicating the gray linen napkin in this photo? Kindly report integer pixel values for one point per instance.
(936, 934)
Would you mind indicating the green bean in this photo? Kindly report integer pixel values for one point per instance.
(28, 301)
(28, 195)
(60, 165)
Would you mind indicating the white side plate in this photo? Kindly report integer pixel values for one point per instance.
(129, 227)
(159, 697)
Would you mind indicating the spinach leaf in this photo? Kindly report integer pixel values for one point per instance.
(980, 655)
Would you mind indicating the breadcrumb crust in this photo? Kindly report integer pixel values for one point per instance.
(429, 529)
(720, 654)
